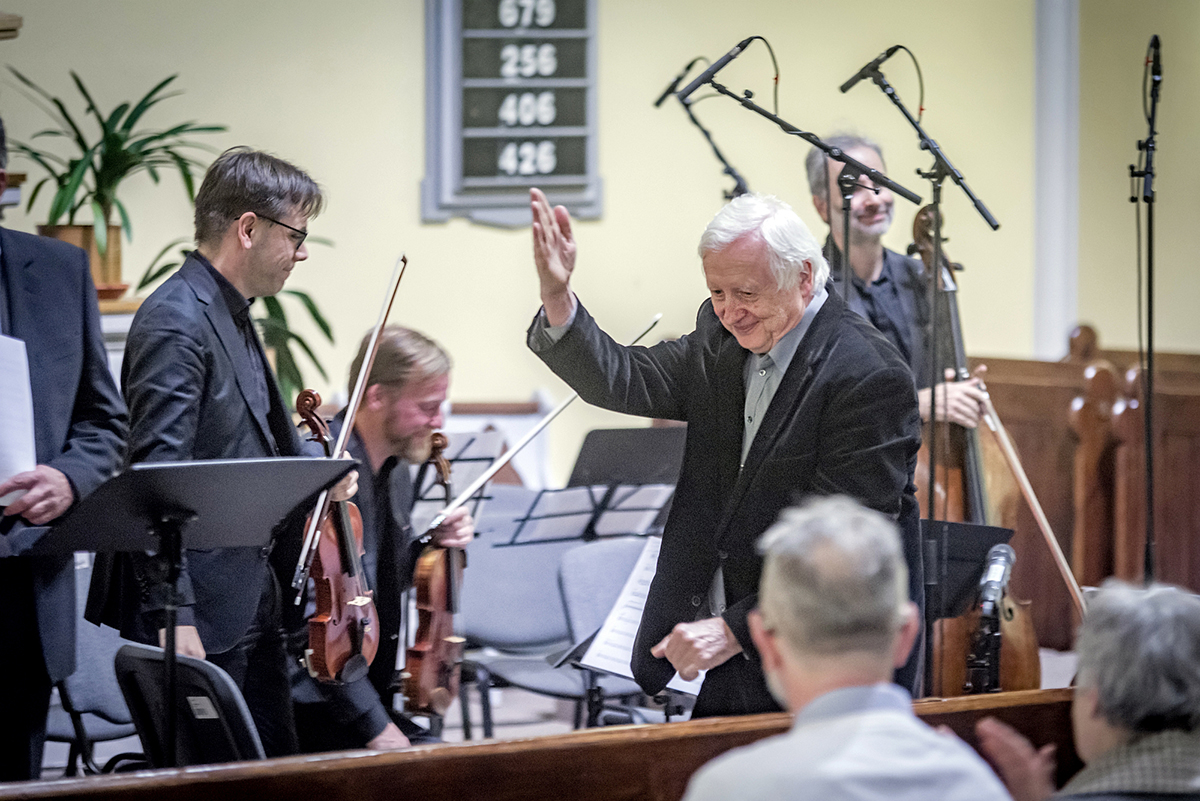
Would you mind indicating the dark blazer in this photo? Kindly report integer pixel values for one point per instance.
(79, 419)
(185, 378)
(843, 421)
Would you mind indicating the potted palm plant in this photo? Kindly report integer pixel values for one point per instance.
(88, 176)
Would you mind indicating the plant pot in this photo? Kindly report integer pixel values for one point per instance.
(106, 269)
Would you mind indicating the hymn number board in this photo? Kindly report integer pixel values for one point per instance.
(512, 99)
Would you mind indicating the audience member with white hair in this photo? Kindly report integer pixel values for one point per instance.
(833, 622)
(1136, 711)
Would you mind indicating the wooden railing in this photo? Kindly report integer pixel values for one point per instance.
(653, 763)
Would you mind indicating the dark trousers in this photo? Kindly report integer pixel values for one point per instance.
(258, 666)
(320, 731)
(22, 675)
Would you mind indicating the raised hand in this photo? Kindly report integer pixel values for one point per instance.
(554, 256)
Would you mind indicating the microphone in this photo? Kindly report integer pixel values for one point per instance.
(716, 67)
(866, 71)
(995, 576)
(670, 90)
(1156, 59)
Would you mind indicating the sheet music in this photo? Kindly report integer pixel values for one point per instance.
(17, 452)
(612, 649)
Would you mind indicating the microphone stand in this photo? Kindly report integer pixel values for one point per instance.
(936, 175)
(1147, 175)
(832, 152)
(739, 187)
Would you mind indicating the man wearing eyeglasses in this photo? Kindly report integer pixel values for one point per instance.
(199, 387)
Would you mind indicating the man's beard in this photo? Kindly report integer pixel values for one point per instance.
(418, 447)
(867, 234)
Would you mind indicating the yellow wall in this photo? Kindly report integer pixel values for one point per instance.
(1113, 40)
(338, 88)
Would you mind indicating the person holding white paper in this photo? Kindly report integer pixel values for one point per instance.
(47, 301)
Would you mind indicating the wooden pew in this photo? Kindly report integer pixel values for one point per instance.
(622, 762)
(1177, 484)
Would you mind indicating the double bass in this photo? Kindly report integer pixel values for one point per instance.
(974, 482)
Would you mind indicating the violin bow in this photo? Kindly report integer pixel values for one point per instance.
(307, 551)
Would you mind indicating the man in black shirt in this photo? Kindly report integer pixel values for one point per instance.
(199, 387)
(887, 288)
(400, 410)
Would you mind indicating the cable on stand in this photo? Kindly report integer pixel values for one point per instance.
(1146, 148)
(739, 188)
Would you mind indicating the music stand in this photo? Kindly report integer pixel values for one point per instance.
(165, 507)
(954, 554)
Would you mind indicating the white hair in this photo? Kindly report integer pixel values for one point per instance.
(834, 578)
(789, 242)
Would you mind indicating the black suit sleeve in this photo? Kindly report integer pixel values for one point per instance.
(648, 382)
(163, 380)
(96, 439)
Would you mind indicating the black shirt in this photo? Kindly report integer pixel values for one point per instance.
(897, 305)
(258, 393)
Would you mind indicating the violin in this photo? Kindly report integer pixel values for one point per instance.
(343, 634)
(433, 663)
(975, 652)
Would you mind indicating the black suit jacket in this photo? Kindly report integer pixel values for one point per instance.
(79, 419)
(843, 421)
(185, 378)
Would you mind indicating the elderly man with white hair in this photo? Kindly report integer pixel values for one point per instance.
(786, 394)
(1136, 711)
(833, 620)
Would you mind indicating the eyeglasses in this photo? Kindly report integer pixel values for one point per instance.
(303, 234)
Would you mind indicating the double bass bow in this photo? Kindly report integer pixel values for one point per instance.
(343, 634)
(984, 650)
(432, 666)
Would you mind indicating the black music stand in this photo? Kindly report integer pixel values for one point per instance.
(954, 555)
(164, 507)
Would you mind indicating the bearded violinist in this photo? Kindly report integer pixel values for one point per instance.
(401, 408)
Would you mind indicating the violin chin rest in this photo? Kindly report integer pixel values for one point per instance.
(356, 667)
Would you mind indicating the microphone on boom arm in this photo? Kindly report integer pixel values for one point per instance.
(671, 87)
(716, 67)
(871, 66)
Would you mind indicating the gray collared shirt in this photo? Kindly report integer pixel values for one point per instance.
(764, 372)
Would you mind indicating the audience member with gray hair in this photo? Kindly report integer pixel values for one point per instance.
(1136, 711)
(786, 393)
(833, 621)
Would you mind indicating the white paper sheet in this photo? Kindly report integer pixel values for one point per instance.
(17, 454)
(612, 649)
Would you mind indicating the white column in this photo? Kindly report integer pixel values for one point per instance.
(1056, 179)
